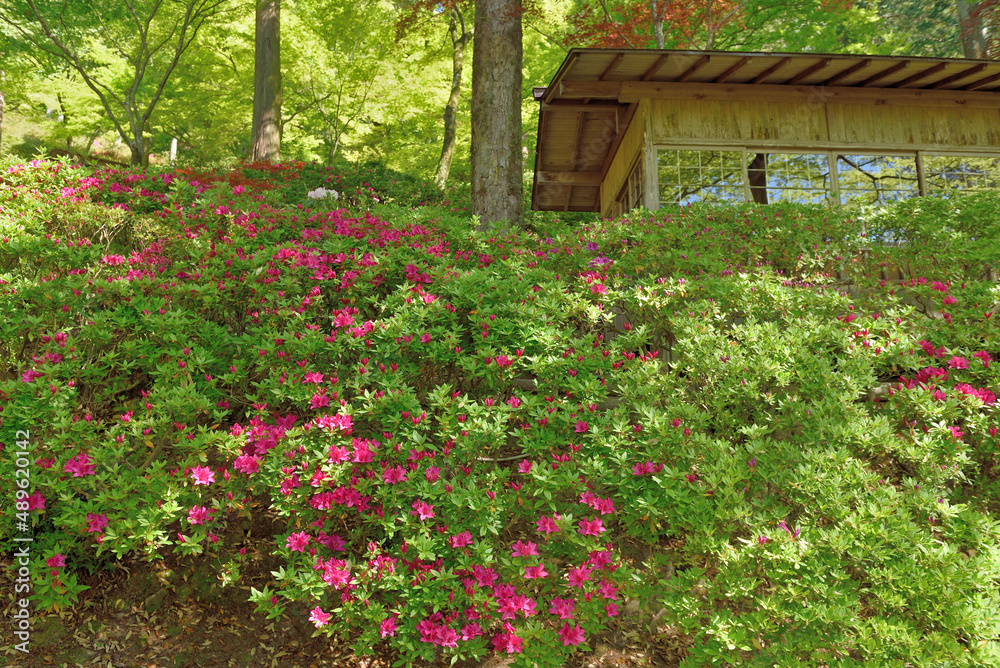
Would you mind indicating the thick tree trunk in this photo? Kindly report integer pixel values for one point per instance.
(971, 25)
(496, 114)
(459, 38)
(266, 133)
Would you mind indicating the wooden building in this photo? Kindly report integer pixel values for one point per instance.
(619, 129)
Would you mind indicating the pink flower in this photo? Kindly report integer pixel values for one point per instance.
(248, 464)
(460, 540)
(956, 433)
(318, 617)
(30, 375)
(608, 590)
(522, 549)
(571, 636)
(577, 576)
(470, 631)
(594, 527)
(198, 515)
(80, 466)
(96, 522)
(56, 561)
(394, 475)
(36, 501)
(535, 572)
(508, 642)
(948, 299)
(298, 542)
(547, 525)
(422, 510)
(581, 427)
(984, 357)
(388, 627)
(761, 539)
(113, 260)
(202, 475)
(611, 609)
(958, 363)
(432, 473)
(563, 607)
(426, 338)
(524, 467)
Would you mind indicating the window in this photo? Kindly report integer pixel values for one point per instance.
(632, 195)
(700, 176)
(789, 177)
(867, 179)
(948, 174)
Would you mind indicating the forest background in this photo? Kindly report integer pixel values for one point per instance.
(369, 80)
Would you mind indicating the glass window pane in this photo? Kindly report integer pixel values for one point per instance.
(947, 174)
(685, 177)
(867, 179)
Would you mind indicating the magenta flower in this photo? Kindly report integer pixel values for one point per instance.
(388, 627)
(56, 561)
(581, 427)
(298, 542)
(508, 642)
(460, 540)
(422, 510)
(547, 525)
(318, 617)
(571, 635)
(594, 527)
(761, 539)
(577, 576)
(470, 631)
(563, 607)
(80, 466)
(198, 515)
(248, 464)
(202, 475)
(96, 522)
(113, 260)
(432, 473)
(535, 572)
(522, 549)
(36, 501)
(30, 375)
(394, 475)
(525, 467)
(611, 609)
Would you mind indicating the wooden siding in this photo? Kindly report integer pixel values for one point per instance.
(630, 148)
(865, 126)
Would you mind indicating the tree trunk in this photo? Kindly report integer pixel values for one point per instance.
(2, 105)
(458, 42)
(497, 182)
(657, 23)
(266, 133)
(971, 26)
(757, 176)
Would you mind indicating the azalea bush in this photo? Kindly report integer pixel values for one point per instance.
(760, 430)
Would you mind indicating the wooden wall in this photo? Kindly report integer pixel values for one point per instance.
(864, 126)
(630, 147)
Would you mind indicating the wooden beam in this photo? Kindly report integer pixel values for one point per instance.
(982, 82)
(580, 122)
(957, 77)
(611, 68)
(571, 178)
(771, 70)
(633, 91)
(592, 107)
(843, 74)
(698, 64)
(816, 67)
(884, 73)
(731, 70)
(648, 74)
(923, 74)
(622, 129)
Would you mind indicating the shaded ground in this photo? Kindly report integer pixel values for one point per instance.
(159, 616)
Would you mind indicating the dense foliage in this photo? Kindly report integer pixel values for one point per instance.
(759, 430)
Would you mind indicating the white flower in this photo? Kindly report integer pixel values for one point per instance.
(321, 193)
